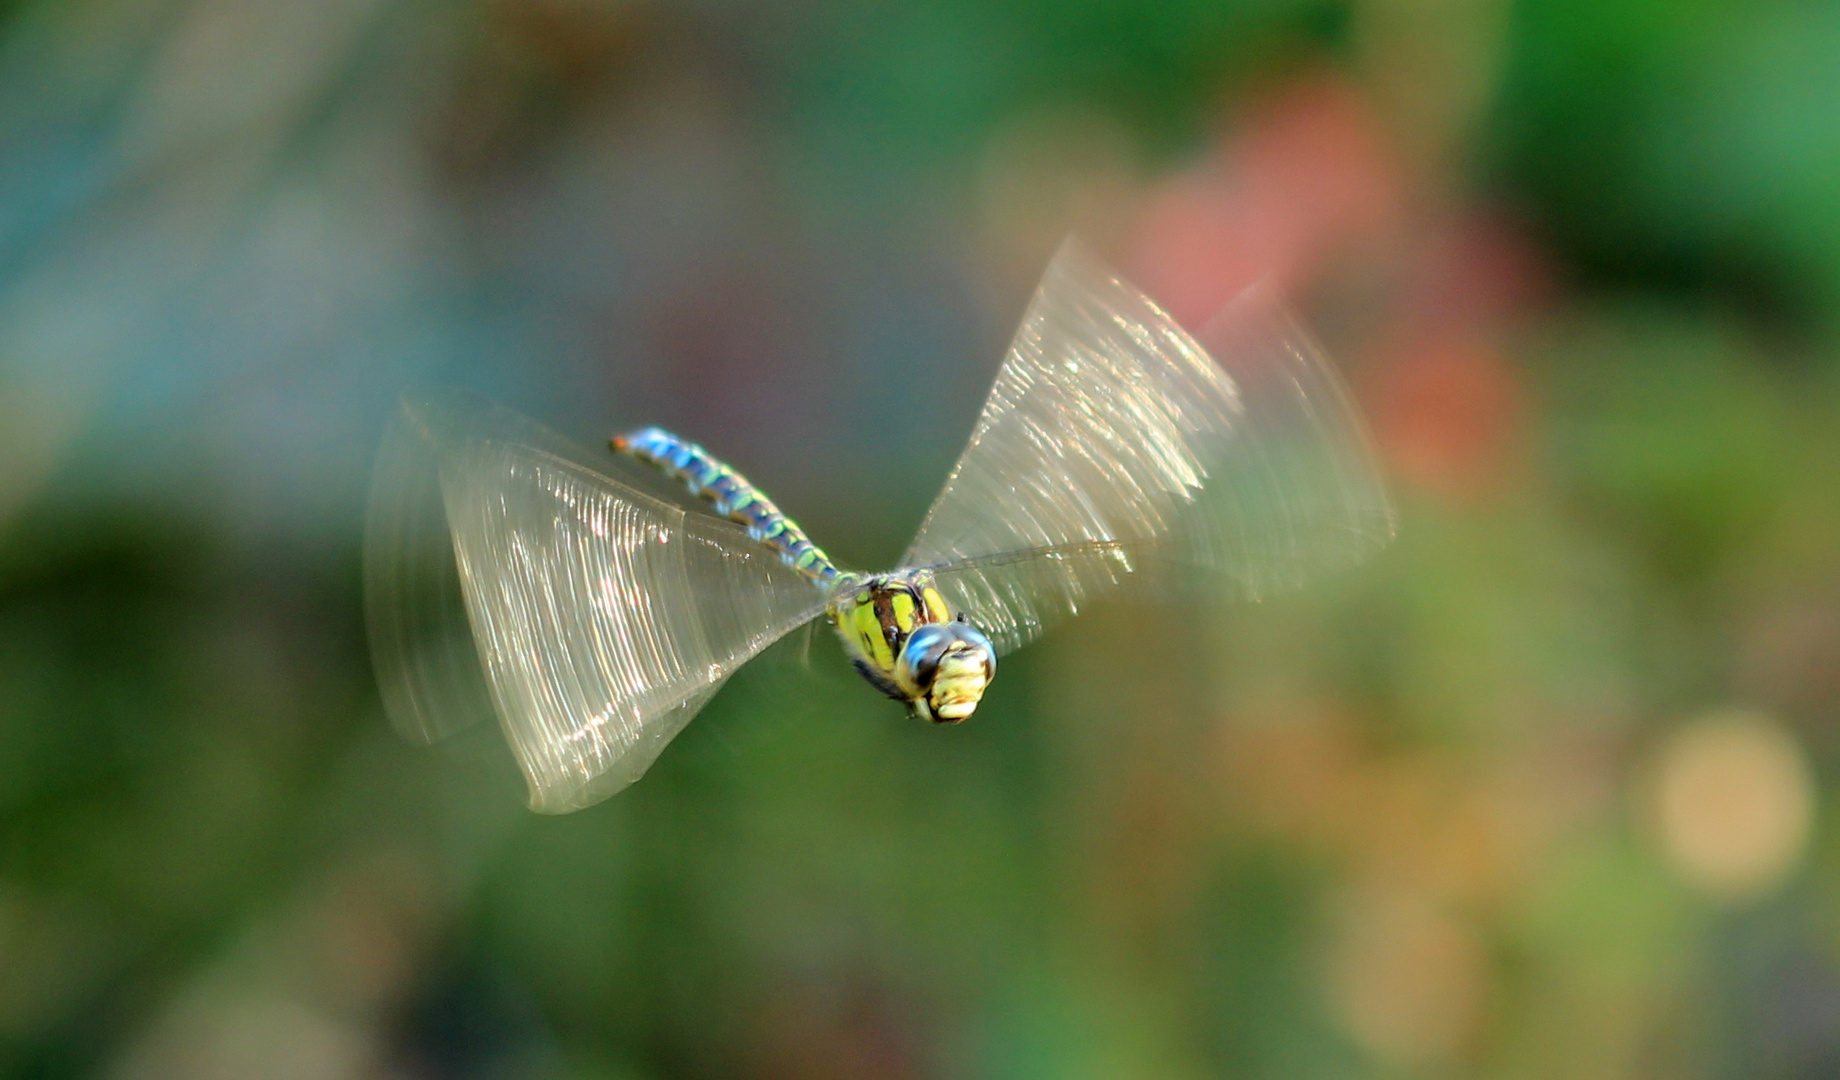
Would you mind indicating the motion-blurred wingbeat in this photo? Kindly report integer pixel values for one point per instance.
(507, 573)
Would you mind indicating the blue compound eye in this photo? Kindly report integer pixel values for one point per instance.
(924, 648)
(971, 635)
(928, 644)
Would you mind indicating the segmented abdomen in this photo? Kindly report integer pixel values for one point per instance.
(733, 496)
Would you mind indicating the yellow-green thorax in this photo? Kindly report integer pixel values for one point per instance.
(940, 672)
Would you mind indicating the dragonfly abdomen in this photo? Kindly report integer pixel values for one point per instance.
(734, 497)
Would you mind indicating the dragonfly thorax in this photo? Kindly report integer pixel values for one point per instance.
(903, 639)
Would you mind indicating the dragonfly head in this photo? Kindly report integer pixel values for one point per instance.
(951, 663)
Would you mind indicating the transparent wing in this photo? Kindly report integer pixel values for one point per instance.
(1115, 445)
(505, 573)
(421, 642)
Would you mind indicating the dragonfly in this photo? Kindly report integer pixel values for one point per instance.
(510, 573)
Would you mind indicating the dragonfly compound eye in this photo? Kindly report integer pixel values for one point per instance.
(951, 663)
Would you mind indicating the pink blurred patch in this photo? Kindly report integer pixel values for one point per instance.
(1447, 404)
(1310, 178)
(1445, 409)
(1307, 171)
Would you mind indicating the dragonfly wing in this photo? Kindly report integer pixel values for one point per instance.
(601, 619)
(1115, 443)
(1015, 598)
(421, 642)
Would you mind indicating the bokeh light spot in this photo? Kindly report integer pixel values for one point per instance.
(1733, 798)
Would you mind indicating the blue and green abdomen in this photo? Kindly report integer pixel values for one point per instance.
(733, 496)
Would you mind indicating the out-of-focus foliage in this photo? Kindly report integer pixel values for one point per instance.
(1542, 792)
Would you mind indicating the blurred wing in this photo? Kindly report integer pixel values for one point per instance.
(503, 568)
(1113, 443)
(421, 643)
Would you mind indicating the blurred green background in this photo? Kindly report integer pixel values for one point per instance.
(1540, 792)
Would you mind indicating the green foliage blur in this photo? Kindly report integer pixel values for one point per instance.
(1542, 792)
